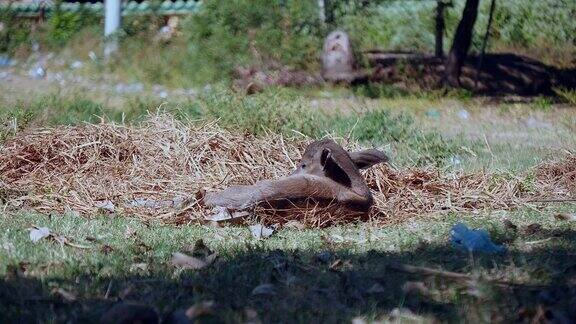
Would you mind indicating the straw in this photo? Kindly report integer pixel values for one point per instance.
(157, 170)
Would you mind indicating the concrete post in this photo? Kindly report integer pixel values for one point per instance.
(112, 16)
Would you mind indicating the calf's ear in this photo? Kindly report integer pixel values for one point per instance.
(367, 158)
(333, 170)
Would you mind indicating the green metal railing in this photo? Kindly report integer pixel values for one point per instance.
(128, 8)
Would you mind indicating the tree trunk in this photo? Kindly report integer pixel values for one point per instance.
(484, 43)
(461, 43)
(439, 44)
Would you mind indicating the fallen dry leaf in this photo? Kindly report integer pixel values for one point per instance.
(184, 261)
(105, 205)
(222, 214)
(404, 315)
(199, 309)
(139, 267)
(565, 217)
(294, 224)
(65, 295)
(260, 231)
(63, 240)
(359, 320)
(38, 233)
(335, 264)
(375, 289)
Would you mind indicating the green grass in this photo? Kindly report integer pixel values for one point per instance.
(220, 37)
(567, 95)
(274, 111)
(130, 260)
(306, 288)
(498, 137)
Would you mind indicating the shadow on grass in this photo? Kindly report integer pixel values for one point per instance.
(333, 285)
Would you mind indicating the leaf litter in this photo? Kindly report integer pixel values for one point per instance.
(201, 257)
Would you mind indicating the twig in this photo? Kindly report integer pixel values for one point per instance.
(539, 241)
(429, 271)
(108, 290)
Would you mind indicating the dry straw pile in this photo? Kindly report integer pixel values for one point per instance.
(156, 170)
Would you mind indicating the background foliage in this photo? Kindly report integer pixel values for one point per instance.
(226, 34)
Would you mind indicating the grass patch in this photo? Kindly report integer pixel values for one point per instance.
(55, 109)
(567, 95)
(273, 111)
(281, 111)
(309, 282)
(385, 126)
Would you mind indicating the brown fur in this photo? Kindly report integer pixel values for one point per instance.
(326, 172)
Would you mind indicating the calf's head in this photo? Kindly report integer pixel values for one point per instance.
(327, 158)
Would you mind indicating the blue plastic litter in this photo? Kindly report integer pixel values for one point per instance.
(474, 240)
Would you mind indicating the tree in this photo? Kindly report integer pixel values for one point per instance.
(440, 25)
(461, 43)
